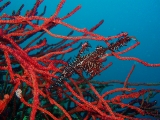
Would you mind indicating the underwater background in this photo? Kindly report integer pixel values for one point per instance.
(140, 18)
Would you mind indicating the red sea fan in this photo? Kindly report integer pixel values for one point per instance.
(40, 85)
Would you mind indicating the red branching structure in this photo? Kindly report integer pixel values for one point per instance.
(35, 80)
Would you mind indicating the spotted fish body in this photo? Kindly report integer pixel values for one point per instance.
(89, 63)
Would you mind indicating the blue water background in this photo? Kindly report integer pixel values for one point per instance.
(140, 18)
